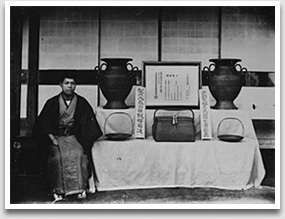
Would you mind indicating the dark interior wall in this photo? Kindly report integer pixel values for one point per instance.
(16, 17)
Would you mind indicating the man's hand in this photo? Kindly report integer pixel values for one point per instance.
(53, 139)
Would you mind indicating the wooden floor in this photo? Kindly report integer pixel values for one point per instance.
(29, 184)
(34, 190)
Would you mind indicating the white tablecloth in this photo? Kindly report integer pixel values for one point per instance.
(135, 163)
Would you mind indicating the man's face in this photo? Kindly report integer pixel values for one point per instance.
(68, 86)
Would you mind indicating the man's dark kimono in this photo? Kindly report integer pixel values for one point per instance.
(69, 164)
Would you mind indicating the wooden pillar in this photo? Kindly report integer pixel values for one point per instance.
(99, 53)
(16, 30)
(159, 33)
(33, 67)
(220, 31)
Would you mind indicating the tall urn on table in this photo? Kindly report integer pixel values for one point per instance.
(116, 80)
(225, 81)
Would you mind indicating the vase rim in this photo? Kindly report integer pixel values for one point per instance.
(117, 59)
(226, 59)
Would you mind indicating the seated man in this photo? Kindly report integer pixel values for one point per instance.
(67, 128)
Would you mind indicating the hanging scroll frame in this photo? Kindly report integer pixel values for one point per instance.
(172, 84)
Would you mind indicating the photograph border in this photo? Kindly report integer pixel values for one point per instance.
(6, 106)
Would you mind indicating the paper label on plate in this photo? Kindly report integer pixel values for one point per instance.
(140, 112)
(205, 116)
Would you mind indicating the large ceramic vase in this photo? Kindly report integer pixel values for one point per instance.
(225, 80)
(115, 80)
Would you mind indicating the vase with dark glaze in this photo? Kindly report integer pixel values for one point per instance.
(115, 80)
(225, 80)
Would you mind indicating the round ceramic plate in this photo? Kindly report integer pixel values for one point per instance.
(118, 136)
(230, 138)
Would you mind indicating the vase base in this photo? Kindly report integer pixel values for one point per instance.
(115, 105)
(224, 105)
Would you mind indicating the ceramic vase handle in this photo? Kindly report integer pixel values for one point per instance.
(96, 69)
(209, 68)
(132, 75)
(102, 65)
(241, 68)
(132, 67)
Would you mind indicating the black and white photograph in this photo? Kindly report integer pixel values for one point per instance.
(142, 105)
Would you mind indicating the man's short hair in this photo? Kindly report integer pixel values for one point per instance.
(67, 75)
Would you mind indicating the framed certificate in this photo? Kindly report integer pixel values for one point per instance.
(172, 83)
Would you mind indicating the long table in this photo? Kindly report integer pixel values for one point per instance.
(144, 163)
